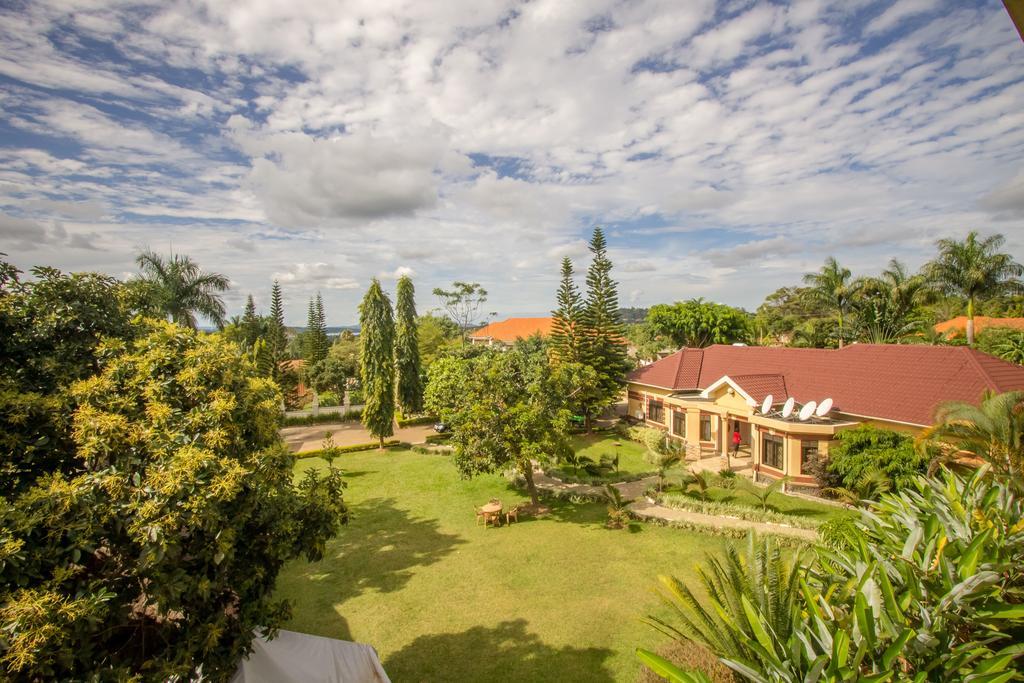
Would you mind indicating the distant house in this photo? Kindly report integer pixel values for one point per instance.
(704, 395)
(508, 331)
(957, 326)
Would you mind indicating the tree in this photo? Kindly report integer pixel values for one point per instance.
(833, 288)
(974, 269)
(277, 336)
(662, 452)
(407, 350)
(437, 334)
(315, 342)
(784, 311)
(647, 341)
(698, 323)
(604, 335)
(149, 539)
(182, 290)
(888, 308)
(1004, 343)
(377, 361)
(566, 324)
(992, 430)
(504, 408)
(462, 302)
(863, 449)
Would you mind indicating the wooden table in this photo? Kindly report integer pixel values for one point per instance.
(491, 512)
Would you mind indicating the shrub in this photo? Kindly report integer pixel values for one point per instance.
(329, 417)
(690, 656)
(328, 399)
(865, 448)
(416, 420)
(354, 448)
(437, 438)
(752, 514)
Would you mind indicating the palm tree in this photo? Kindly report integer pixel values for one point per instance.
(182, 290)
(887, 309)
(973, 269)
(834, 288)
(992, 431)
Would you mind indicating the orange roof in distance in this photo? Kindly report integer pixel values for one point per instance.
(507, 331)
(958, 325)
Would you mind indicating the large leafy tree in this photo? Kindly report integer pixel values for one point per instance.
(505, 409)
(148, 539)
(833, 289)
(407, 350)
(377, 362)
(888, 308)
(698, 323)
(462, 303)
(604, 335)
(438, 334)
(973, 269)
(567, 320)
(181, 290)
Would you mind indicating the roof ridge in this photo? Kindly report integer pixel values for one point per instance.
(973, 360)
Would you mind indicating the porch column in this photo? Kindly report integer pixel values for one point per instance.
(724, 435)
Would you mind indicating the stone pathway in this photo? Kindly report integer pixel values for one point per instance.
(630, 490)
(644, 509)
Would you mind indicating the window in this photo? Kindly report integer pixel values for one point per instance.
(678, 423)
(705, 427)
(808, 454)
(656, 412)
(771, 452)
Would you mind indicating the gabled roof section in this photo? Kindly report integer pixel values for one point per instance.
(901, 383)
(509, 330)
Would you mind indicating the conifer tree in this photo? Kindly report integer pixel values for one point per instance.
(407, 349)
(250, 323)
(278, 337)
(566, 330)
(377, 362)
(323, 344)
(602, 324)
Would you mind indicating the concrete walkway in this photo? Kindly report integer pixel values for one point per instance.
(643, 509)
(300, 439)
(630, 490)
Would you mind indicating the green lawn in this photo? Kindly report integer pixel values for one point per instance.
(780, 502)
(593, 446)
(444, 599)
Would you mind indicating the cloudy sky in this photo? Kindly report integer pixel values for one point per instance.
(727, 147)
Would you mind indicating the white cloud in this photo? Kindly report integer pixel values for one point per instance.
(317, 275)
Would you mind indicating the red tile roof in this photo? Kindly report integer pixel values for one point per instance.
(958, 325)
(508, 331)
(902, 383)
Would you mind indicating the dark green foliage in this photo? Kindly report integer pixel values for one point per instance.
(865, 449)
(462, 303)
(833, 289)
(325, 417)
(180, 289)
(699, 323)
(505, 409)
(150, 504)
(1004, 343)
(567, 340)
(407, 350)
(277, 337)
(314, 342)
(888, 308)
(604, 334)
(377, 362)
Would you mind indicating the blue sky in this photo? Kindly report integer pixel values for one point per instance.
(726, 147)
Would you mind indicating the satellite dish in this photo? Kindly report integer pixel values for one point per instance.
(639, 414)
(787, 408)
(807, 411)
(766, 405)
(823, 408)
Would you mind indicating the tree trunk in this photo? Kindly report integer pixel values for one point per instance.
(970, 321)
(381, 437)
(527, 470)
(840, 330)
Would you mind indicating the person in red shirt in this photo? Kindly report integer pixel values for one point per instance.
(736, 438)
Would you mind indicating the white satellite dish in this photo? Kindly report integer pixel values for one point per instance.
(766, 404)
(787, 408)
(823, 408)
(807, 411)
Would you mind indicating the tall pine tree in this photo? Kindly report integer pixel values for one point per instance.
(278, 338)
(323, 344)
(605, 335)
(377, 362)
(566, 338)
(407, 349)
(314, 340)
(250, 324)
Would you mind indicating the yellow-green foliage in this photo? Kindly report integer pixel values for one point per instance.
(154, 547)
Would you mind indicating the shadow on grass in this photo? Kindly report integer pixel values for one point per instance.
(379, 550)
(506, 652)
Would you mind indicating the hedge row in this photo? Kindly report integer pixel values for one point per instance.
(566, 478)
(415, 421)
(318, 453)
(722, 509)
(438, 438)
(322, 418)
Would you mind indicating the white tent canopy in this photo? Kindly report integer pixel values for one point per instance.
(300, 658)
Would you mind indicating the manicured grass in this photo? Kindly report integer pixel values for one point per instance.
(442, 599)
(631, 457)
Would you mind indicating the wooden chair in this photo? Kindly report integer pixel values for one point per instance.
(480, 515)
(513, 513)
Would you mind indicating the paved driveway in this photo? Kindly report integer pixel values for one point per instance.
(345, 434)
